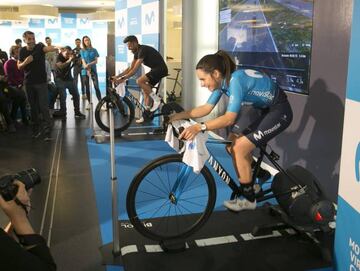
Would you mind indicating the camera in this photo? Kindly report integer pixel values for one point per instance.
(76, 53)
(8, 189)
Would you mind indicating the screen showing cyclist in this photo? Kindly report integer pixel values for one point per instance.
(151, 58)
(257, 111)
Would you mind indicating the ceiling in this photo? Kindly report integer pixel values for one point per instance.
(98, 4)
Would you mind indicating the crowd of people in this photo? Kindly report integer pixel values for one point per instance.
(35, 75)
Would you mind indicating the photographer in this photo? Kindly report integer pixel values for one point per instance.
(64, 80)
(32, 252)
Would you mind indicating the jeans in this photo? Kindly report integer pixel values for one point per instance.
(77, 74)
(94, 78)
(39, 103)
(18, 99)
(70, 85)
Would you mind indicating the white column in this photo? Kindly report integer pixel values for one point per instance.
(200, 37)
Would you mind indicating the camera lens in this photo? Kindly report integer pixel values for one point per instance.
(29, 177)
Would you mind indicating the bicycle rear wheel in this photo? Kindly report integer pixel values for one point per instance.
(123, 114)
(158, 213)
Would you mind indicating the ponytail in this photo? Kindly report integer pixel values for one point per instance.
(220, 61)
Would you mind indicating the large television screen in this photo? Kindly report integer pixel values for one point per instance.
(270, 35)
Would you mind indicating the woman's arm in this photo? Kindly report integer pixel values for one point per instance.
(94, 62)
(220, 122)
(196, 112)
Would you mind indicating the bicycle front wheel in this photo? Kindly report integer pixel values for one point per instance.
(123, 114)
(159, 211)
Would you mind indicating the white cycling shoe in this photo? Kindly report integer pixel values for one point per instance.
(156, 102)
(238, 205)
(140, 120)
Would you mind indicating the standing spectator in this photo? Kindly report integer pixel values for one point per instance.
(15, 82)
(4, 102)
(18, 42)
(78, 67)
(64, 80)
(89, 57)
(32, 61)
(51, 56)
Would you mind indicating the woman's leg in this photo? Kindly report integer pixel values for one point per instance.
(85, 80)
(95, 80)
(241, 151)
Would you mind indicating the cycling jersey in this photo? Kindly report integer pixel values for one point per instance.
(248, 87)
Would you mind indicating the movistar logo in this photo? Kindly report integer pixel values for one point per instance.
(258, 135)
(357, 163)
(149, 18)
(52, 21)
(192, 145)
(121, 22)
(83, 20)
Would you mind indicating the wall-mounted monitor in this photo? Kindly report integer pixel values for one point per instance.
(270, 35)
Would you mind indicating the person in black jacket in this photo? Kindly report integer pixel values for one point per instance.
(31, 253)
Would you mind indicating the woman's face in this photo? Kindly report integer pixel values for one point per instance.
(87, 42)
(211, 81)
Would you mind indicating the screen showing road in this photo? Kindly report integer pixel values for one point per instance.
(270, 35)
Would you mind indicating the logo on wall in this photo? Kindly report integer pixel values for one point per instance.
(52, 21)
(121, 22)
(83, 21)
(150, 18)
(357, 163)
(133, 21)
(37, 23)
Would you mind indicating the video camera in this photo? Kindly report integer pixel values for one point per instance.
(8, 189)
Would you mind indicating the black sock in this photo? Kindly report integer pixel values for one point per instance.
(248, 192)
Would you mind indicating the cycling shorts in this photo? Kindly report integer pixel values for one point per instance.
(155, 75)
(261, 125)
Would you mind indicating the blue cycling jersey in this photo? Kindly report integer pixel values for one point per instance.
(89, 55)
(246, 87)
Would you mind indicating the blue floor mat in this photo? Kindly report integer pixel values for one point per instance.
(131, 156)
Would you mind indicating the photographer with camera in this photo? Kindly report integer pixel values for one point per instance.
(31, 251)
(64, 80)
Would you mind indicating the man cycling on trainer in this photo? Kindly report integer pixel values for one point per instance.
(148, 56)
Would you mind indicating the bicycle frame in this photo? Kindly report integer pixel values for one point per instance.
(138, 104)
(181, 180)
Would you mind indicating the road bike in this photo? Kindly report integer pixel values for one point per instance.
(177, 202)
(171, 95)
(124, 110)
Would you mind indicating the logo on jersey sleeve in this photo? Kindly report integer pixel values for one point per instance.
(253, 73)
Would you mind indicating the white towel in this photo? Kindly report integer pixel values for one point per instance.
(120, 89)
(195, 151)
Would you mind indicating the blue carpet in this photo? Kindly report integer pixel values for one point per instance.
(130, 158)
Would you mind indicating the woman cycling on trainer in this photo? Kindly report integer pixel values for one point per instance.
(257, 111)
